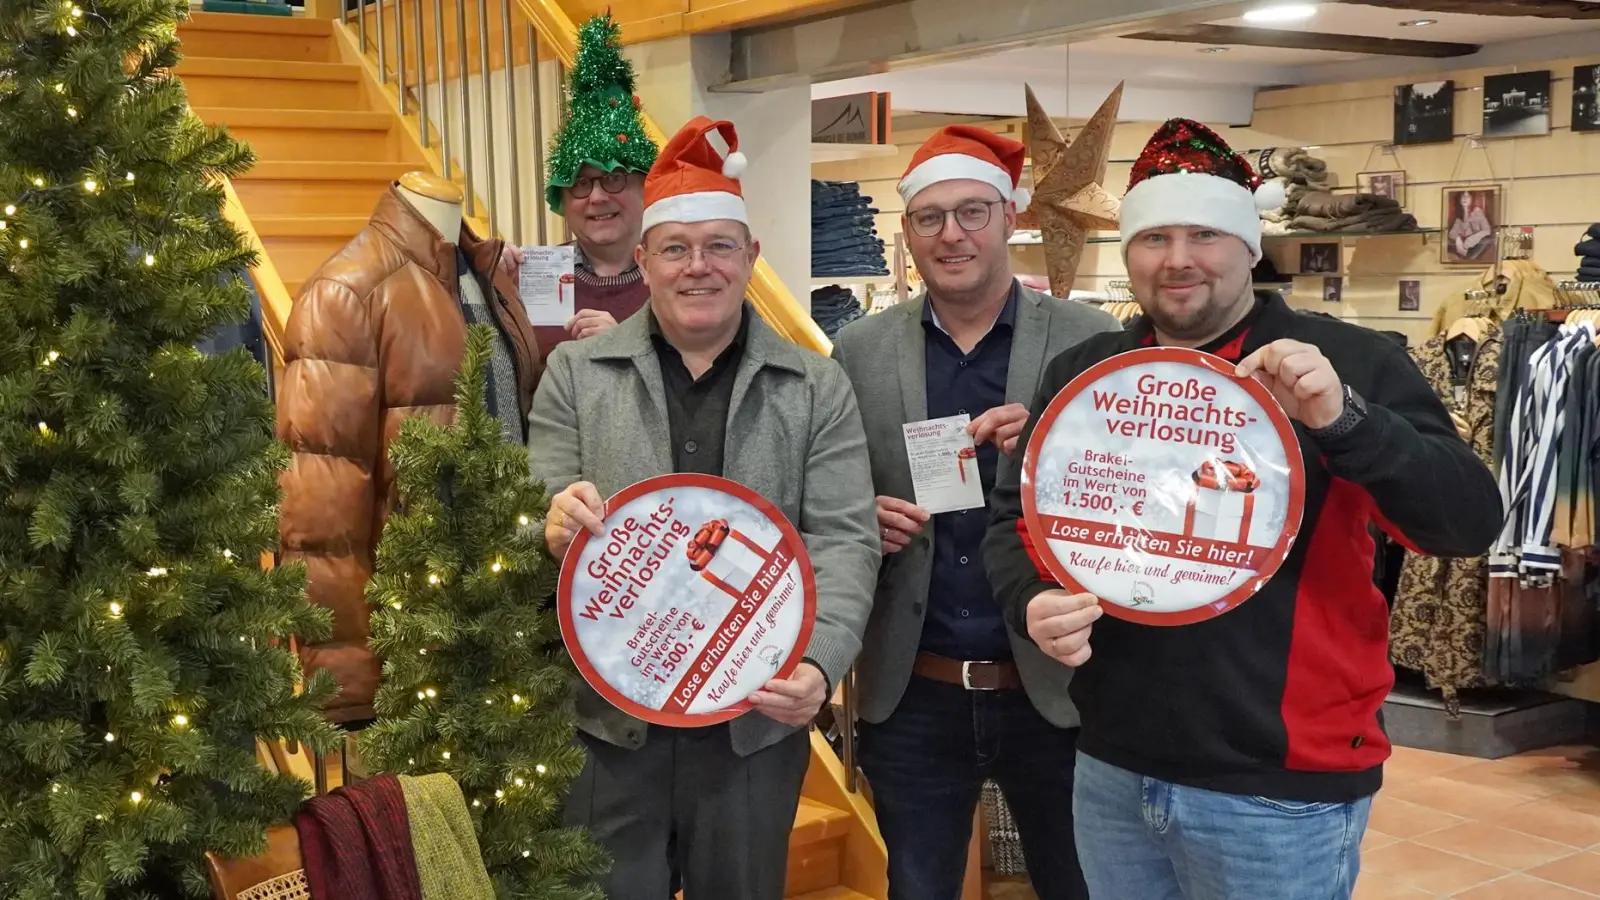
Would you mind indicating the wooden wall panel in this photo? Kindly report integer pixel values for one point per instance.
(1551, 183)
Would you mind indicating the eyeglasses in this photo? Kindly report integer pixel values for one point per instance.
(973, 215)
(682, 253)
(611, 183)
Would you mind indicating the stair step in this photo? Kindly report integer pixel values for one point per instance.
(275, 188)
(314, 135)
(238, 24)
(267, 70)
(282, 38)
(340, 120)
(308, 226)
(815, 822)
(268, 84)
(329, 171)
(816, 853)
(833, 893)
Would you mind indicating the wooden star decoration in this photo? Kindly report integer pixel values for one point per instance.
(1069, 200)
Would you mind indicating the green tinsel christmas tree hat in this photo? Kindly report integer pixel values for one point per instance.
(603, 128)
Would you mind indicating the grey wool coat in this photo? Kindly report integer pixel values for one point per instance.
(885, 356)
(794, 436)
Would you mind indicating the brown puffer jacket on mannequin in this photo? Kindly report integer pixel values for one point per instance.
(376, 336)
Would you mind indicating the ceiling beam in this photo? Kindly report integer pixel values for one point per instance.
(1245, 36)
(1542, 9)
(909, 33)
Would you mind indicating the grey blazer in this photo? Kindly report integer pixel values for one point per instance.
(884, 356)
(794, 436)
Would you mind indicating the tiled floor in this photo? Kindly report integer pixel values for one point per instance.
(1522, 828)
(1526, 827)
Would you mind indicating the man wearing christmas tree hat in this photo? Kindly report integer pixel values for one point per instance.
(1237, 756)
(698, 383)
(595, 180)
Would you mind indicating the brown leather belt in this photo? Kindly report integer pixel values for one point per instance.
(974, 676)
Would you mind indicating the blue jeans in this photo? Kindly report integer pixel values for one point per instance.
(926, 765)
(1144, 839)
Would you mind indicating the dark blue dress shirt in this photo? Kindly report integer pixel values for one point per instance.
(964, 621)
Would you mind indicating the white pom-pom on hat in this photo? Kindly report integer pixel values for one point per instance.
(1271, 195)
(734, 166)
(1022, 197)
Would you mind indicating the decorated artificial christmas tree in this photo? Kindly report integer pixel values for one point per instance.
(142, 646)
(603, 128)
(476, 681)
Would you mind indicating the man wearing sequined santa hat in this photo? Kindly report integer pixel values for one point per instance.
(697, 383)
(950, 696)
(1237, 756)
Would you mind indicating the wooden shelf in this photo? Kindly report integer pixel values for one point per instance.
(826, 153)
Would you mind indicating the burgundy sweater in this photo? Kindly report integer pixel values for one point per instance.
(620, 295)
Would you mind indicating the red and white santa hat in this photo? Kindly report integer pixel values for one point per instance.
(967, 152)
(1189, 176)
(692, 181)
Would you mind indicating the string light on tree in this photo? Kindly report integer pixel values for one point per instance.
(136, 797)
(11, 209)
(116, 609)
(180, 721)
(149, 259)
(111, 738)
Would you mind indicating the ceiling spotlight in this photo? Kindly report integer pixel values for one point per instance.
(1418, 23)
(1213, 49)
(1283, 12)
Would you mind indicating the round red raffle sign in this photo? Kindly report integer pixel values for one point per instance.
(1164, 485)
(697, 595)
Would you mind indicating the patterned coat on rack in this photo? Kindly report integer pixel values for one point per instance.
(1437, 627)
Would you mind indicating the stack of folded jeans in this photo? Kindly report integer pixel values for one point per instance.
(844, 239)
(1588, 251)
(834, 307)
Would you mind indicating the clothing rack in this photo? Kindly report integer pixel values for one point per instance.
(1516, 242)
(1576, 294)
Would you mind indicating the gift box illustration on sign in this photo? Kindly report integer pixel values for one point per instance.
(962, 455)
(726, 559)
(1223, 502)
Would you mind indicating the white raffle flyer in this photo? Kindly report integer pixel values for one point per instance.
(944, 464)
(1164, 485)
(697, 595)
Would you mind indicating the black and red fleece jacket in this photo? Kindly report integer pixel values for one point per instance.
(1280, 697)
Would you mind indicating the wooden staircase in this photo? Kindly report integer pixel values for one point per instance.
(328, 143)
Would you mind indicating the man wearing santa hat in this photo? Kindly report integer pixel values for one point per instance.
(698, 383)
(1237, 757)
(950, 696)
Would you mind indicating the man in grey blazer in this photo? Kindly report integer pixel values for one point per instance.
(697, 382)
(949, 695)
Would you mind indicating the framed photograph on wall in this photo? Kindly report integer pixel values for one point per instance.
(1390, 185)
(1425, 113)
(1471, 219)
(1410, 295)
(1516, 104)
(1586, 98)
(1319, 259)
(1332, 289)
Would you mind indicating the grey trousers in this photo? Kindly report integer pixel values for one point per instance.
(684, 804)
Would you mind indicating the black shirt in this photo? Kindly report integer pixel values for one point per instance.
(963, 620)
(697, 409)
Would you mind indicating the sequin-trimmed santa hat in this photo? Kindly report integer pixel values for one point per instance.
(1188, 175)
(966, 152)
(692, 181)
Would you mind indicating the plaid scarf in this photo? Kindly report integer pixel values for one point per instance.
(356, 843)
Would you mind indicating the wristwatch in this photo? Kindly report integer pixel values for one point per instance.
(1355, 412)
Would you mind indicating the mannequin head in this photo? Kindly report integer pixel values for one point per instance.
(438, 202)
